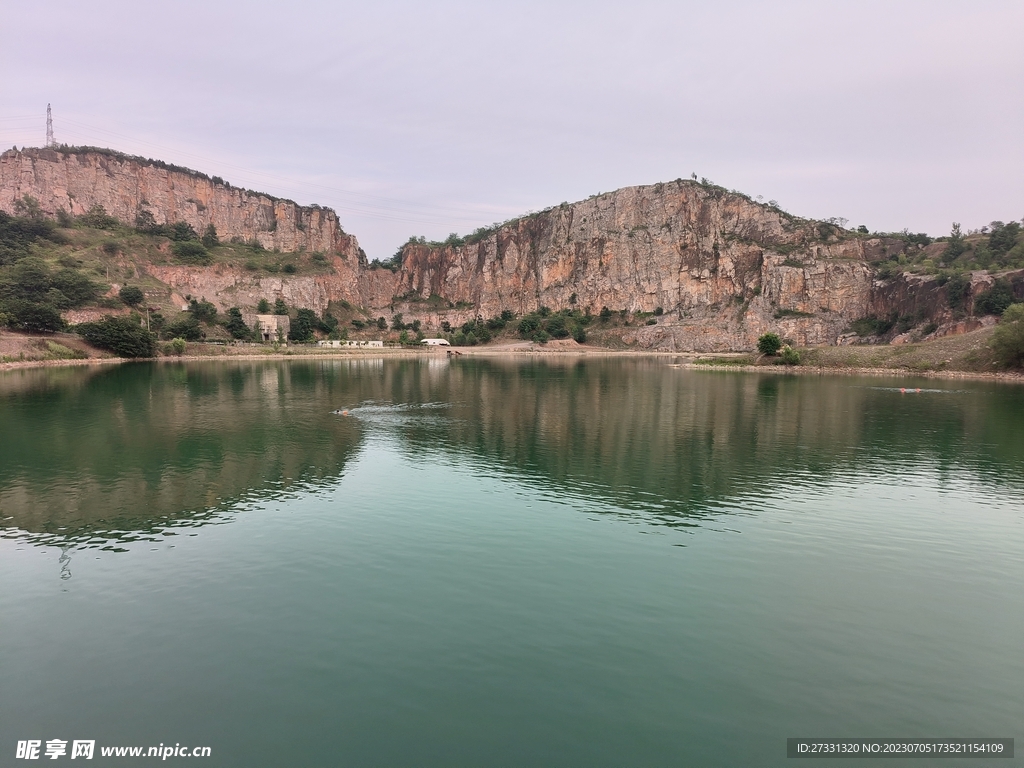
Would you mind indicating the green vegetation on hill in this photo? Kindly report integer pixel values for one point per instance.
(872, 326)
(306, 322)
(995, 300)
(1008, 338)
(236, 326)
(124, 336)
(131, 295)
(539, 326)
(997, 247)
(33, 292)
(769, 344)
(19, 233)
(545, 324)
(48, 267)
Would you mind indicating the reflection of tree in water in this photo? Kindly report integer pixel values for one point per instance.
(130, 452)
(125, 453)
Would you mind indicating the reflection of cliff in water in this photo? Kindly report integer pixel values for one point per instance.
(128, 451)
(673, 444)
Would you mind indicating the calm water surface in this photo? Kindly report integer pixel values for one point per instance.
(501, 563)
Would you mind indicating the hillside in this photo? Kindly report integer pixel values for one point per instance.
(717, 268)
(683, 265)
(136, 190)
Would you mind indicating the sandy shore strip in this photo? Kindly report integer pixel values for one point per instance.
(821, 370)
(682, 360)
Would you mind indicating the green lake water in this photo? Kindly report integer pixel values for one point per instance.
(600, 562)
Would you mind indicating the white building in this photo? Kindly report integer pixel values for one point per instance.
(272, 327)
(436, 342)
(336, 344)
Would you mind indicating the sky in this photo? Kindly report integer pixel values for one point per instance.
(431, 118)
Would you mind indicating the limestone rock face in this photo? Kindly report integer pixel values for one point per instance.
(723, 267)
(76, 181)
(232, 287)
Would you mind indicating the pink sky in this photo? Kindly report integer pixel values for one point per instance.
(413, 118)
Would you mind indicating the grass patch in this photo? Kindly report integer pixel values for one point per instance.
(968, 352)
(55, 351)
(725, 362)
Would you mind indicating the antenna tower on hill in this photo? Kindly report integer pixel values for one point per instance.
(49, 127)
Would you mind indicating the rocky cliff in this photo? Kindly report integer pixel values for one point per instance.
(75, 180)
(722, 267)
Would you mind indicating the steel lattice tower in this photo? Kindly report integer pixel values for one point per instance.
(49, 127)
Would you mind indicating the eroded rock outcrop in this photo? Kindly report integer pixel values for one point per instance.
(722, 267)
(233, 287)
(75, 181)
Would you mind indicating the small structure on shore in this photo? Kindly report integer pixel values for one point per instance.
(269, 327)
(337, 343)
(436, 342)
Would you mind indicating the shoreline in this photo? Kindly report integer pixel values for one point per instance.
(523, 350)
(898, 373)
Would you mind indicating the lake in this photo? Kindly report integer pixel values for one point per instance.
(504, 562)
